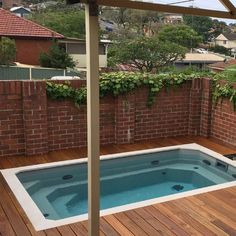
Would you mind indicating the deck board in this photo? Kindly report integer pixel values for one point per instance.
(207, 214)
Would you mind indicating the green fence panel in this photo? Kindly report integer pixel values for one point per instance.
(81, 74)
(14, 73)
(19, 73)
(46, 73)
(72, 73)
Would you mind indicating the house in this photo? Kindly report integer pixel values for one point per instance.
(226, 40)
(31, 39)
(76, 48)
(221, 66)
(7, 4)
(42, 5)
(199, 60)
(20, 11)
(172, 18)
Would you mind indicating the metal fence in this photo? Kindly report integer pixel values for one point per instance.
(32, 73)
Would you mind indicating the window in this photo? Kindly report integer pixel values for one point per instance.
(224, 41)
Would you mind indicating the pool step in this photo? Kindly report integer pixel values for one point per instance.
(30, 184)
(72, 202)
(33, 187)
(66, 190)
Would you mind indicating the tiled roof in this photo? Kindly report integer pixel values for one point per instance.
(126, 67)
(223, 65)
(230, 36)
(12, 25)
(198, 57)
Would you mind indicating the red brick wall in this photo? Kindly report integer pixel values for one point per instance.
(223, 126)
(206, 108)
(28, 50)
(34, 103)
(169, 115)
(12, 140)
(30, 123)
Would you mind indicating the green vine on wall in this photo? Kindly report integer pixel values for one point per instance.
(65, 91)
(121, 83)
(224, 91)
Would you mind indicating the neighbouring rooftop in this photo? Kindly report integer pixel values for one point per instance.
(220, 66)
(12, 25)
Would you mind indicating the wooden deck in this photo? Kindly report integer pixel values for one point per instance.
(207, 214)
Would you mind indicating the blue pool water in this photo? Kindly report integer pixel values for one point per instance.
(61, 192)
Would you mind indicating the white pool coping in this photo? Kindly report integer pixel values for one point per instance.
(41, 223)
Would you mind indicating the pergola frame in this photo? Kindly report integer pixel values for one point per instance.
(92, 41)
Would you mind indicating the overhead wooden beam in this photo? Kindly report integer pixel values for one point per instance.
(164, 8)
(228, 5)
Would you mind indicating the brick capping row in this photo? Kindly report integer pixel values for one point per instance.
(30, 123)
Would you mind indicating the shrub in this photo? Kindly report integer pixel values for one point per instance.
(56, 58)
(7, 51)
(220, 49)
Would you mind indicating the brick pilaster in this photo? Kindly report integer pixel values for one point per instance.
(206, 109)
(195, 107)
(35, 117)
(125, 119)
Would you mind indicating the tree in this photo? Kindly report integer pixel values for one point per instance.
(220, 49)
(201, 24)
(218, 28)
(131, 22)
(120, 16)
(7, 51)
(146, 54)
(181, 34)
(56, 58)
(68, 21)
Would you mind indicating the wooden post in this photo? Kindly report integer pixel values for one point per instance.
(92, 53)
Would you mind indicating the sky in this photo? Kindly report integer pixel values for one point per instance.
(205, 4)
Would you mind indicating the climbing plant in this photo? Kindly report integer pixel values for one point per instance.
(120, 83)
(223, 86)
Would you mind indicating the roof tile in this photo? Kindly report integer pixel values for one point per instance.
(12, 25)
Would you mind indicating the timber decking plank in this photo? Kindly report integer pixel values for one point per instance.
(21, 212)
(5, 227)
(225, 196)
(171, 215)
(66, 230)
(52, 232)
(196, 215)
(130, 224)
(231, 191)
(190, 219)
(141, 222)
(13, 216)
(120, 228)
(172, 226)
(34, 232)
(85, 224)
(216, 196)
(107, 229)
(208, 211)
(79, 229)
(154, 222)
(221, 208)
(225, 227)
